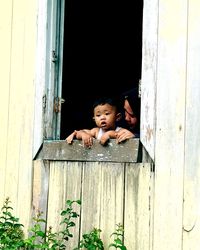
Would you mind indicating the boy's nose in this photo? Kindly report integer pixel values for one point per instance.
(102, 117)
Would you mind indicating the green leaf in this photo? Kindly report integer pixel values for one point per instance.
(40, 233)
(118, 241)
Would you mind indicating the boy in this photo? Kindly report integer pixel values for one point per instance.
(106, 114)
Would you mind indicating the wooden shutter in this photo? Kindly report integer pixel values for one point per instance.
(48, 71)
(148, 81)
(54, 55)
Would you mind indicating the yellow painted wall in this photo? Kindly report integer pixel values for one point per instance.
(175, 64)
(18, 30)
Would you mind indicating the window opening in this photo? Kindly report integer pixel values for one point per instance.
(102, 53)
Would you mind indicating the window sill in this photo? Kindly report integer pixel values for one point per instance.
(127, 151)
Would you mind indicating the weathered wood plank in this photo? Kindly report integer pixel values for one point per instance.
(108, 198)
(40, 80)
(149, 71)
(112, 199)
(170, 125)
(20, 119)
(14, 114)
(60, 150)
(137, 206)
(64, 184)
(26, 91)
(5, 51)
(40, 187)
(102, 195)
(191, 215)
(91, 196)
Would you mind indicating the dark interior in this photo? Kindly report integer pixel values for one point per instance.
(102, 56)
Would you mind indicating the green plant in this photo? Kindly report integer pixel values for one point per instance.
(49, 240)
(91, 241)
(118, 238)
(68, 215)
(11, 233)
(39, 238)
(12, 237)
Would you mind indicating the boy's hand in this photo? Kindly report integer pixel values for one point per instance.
(87, 140)
(105, 137)
(70, 138)
(111, 134)
(124, 134)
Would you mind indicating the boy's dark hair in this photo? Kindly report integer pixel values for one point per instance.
(113, 101)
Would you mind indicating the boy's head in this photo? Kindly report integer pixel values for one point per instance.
(107, 100)
(106, 112)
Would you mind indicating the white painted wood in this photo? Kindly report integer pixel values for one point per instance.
(18, 171)
(27, 110)
(40, 74)
(18, 34)
(52, 68)
(149, 77)
(112, 199)
(170, 125)
(113, 152)
(15, 104)
(40, 188)
(176, 222)
(91, 185)
(102, 197)
(64, 184)
(49, 38)
(5, 51)
(137, 206)
(60, 49)
(108, 198)
(151, 204)
(191, 215)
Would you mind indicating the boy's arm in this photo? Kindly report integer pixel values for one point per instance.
(85, 135)
(111, 134)
(70, 138)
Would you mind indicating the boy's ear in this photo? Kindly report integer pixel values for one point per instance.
(118, 117)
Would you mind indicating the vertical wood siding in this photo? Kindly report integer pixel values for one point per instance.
(191, 208)
(174, 85)
(17, 67)
(170, 125)
(170, 114)
(5, 51)
(111, 193)
(149, 75)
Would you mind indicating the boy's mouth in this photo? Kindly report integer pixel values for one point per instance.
(103, 124)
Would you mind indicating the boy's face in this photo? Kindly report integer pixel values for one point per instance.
(105, 116)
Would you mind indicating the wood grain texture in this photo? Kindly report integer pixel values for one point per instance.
(170, 125)
(191, 213)
(60, 150)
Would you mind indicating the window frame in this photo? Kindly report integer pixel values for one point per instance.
(48, 98)
(48, 76)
